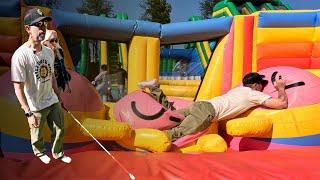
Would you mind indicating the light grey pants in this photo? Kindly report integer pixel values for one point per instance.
(53, 115)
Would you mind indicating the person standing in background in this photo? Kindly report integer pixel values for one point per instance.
(120, 76)
(103, 83)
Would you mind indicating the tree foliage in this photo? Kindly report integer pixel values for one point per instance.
(45, 3)
(156, 11)
(96, 7)
(206, 7)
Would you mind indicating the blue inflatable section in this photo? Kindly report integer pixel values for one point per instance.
(102, 28)
(195, 67)
(146, 28)
(299, 19)
(191, 55)
(195, 30)
(212, 45)
(10, 8)
(312, 140)
(184, 54)
(16, 144)
(94, 27)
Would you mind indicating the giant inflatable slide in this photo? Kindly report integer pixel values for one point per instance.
(261, 143)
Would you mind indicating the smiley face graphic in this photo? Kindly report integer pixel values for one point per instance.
(140, 110)
(301, 87)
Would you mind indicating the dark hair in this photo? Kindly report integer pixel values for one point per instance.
(252, 78)
(104, 67)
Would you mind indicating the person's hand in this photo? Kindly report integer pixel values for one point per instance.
(280, 83)
(33, 122)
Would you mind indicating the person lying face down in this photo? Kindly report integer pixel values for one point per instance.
(199, 115)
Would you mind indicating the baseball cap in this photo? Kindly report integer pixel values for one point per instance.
(35, 15)
(254, 77)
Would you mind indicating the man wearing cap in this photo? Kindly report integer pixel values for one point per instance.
(35, 87)
(201, 114)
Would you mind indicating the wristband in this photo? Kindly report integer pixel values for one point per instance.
(28, 114)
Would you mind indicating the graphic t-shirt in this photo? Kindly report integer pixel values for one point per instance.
(35, 71)
(237, 101)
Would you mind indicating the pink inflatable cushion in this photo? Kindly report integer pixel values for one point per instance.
(302, 86)
(188, 139)
(135, 105)
(5, 58)
(140, 110)
(83, 97)
(9, 43)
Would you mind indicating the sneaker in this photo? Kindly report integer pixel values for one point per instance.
(65, 159)
(148, 84)
(45, 159)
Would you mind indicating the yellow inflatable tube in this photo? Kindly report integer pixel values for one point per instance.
(211, 142)
(249, 126)
(143, 60)
(103, 52)
(181, 91)
(106, 130)
(238, 54)
(212, 82)
(292, 122)
(147, 139)
(180, 82)
(206, 143)
(137, 61)
(150, 139)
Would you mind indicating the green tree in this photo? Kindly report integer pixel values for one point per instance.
(45, 3)
(96, 7)
(206, 7)
(156, 11)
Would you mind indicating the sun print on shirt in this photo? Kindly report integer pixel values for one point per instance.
(43, 71)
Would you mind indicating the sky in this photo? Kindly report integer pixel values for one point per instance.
(181, 9)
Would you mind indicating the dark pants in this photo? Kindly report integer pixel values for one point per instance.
(53, 115)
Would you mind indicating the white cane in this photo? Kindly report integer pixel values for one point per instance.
(122, 167)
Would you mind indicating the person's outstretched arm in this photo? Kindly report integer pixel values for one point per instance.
(281, 102)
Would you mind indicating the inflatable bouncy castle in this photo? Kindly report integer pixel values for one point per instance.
(260, 143)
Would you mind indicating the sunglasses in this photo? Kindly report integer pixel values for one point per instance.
(40, 24)
(53, 40)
